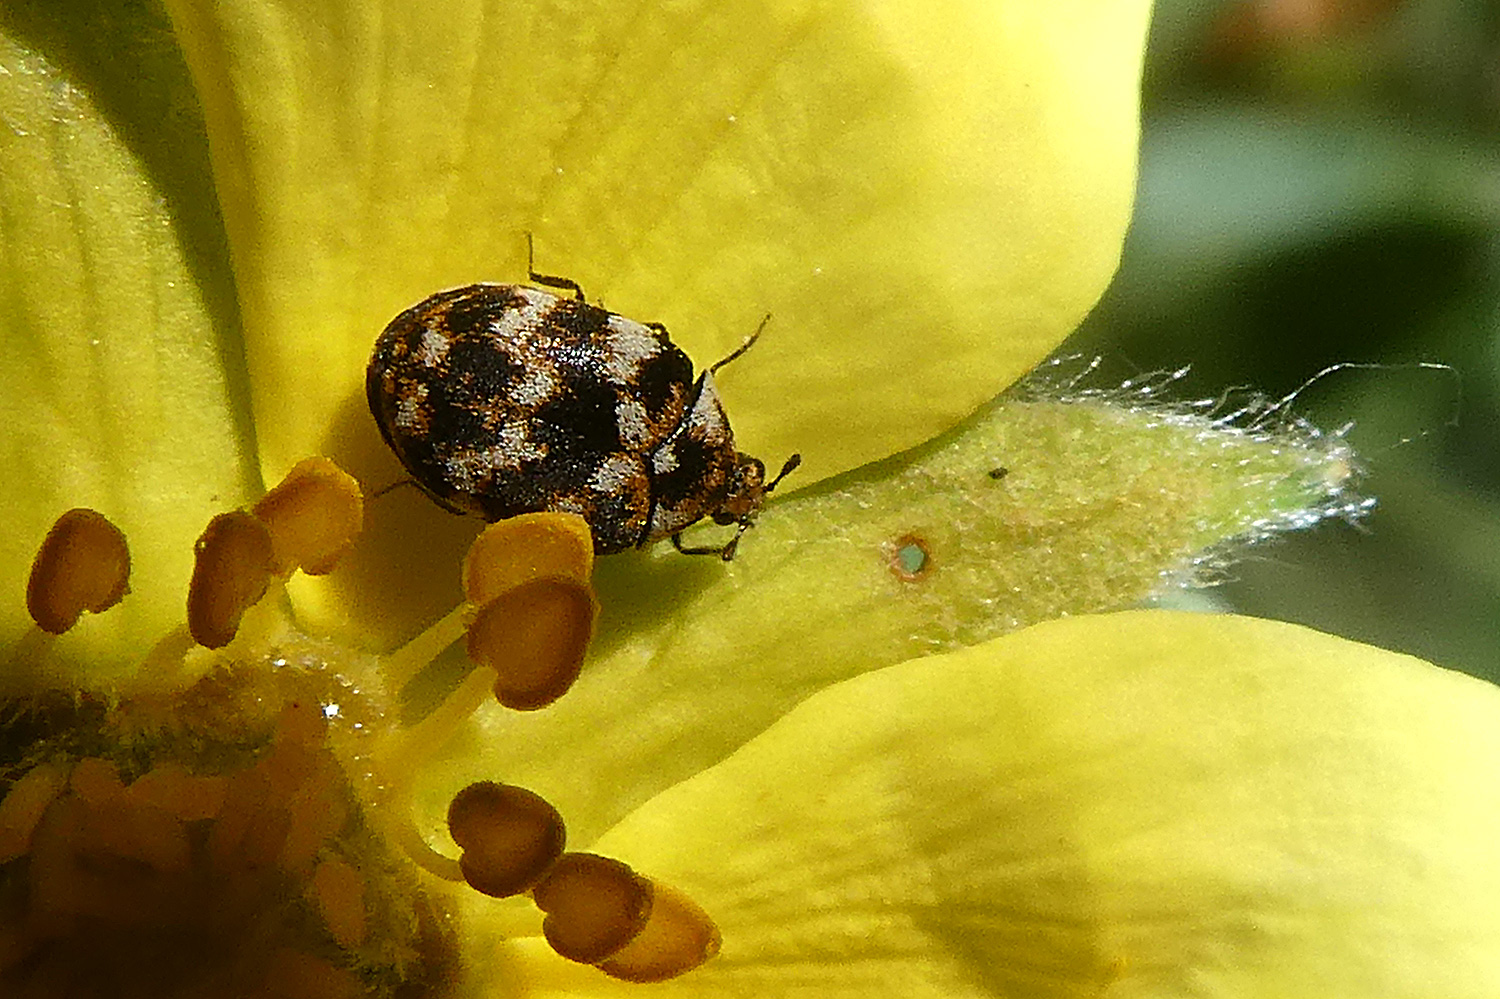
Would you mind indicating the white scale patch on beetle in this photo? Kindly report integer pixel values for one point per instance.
(516, 448)
(504, 399)
(535, 385)
(664, 461)
(432, 349)
(630, 346)
(616, 474)
(410, 409)
(469, 470)
(634, 427)
(708, 413)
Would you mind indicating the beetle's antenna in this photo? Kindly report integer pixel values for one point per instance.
(791, 463)
(749, 342)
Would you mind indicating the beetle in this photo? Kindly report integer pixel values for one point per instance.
(502, 399)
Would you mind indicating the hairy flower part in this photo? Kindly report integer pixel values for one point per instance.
(207, 842)
(250, 832)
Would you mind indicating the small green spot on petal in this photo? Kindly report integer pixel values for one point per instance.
(910, 559)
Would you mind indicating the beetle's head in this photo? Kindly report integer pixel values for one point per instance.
(747, 491)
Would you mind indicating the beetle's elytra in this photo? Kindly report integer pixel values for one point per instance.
(502, 399)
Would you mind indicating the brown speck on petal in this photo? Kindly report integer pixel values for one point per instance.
(510, 837)
(530, 546)
(314, 515)
(233, 564)
(534, 637)
(82, 565)
(594, 906)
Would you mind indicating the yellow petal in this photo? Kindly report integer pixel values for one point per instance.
(114, 392)
(926, 198)
(1142, 804)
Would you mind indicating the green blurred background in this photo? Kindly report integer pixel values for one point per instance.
(1320, 183)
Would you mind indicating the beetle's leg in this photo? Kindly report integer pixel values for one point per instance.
(408, 481)
(567, 284)
(726, 553)
(749, 342)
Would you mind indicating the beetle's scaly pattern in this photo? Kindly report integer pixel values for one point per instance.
(504, 399)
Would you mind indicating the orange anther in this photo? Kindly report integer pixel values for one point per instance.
(82, 565)
(531, 546)
(314, 515)
(510, 837)
(678, 936)
(594, 906)
(534, 636)
(233, 564)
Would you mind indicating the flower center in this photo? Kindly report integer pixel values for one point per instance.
(252, 831)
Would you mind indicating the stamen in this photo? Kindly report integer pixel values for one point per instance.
(510, 837)
(505, 555)
(678, 936)
(96, 781)
(339, 892)
(253, 879)
(83, 564)
(594, 906)
(534, 636)
(400, 666)
(23, 806)
(171, 788)
(299, 975)
(314, 515)
(519, 549)
(233, 563)
(399, 761)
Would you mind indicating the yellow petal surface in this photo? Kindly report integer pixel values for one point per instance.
(1147, 804)
(926, 198)
(116, 390)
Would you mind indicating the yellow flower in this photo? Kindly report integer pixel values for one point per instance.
(831, 745)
